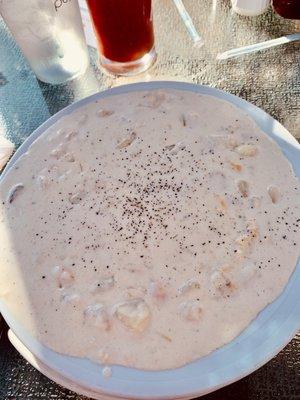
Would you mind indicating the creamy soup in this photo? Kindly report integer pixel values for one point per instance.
(147, 229)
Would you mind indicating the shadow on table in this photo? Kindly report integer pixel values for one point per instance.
(26, 102)
(58, 97)
(22, 105)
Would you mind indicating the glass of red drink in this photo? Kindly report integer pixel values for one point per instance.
(124, 30)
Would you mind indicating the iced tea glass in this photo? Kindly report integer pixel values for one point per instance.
(124, 31)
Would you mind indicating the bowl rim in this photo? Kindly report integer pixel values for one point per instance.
(255, 346)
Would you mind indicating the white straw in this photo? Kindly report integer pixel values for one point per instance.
(185, 16)
(258, 46)
(213, 11)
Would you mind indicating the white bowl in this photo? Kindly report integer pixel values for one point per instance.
(273, 328)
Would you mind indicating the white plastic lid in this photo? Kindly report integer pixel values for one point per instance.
(250, 8)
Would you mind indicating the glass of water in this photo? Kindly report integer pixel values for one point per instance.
(50, 34)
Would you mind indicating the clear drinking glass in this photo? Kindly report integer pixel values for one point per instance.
(124, 30)
(50, 34)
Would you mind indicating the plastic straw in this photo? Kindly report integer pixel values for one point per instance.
(185, 16)
(258, 46)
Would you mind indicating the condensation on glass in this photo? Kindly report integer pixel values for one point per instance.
(50, 34)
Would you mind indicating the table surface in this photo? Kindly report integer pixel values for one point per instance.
(269, 79)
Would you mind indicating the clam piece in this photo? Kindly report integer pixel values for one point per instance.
(69, 157)
(190, 310)
(243, 188)
(170, 147)
(222, 281)
(14, 192)
(71, 134)
(243, 240)
(157, 291)
(246, 150)
(274, 194)
(134, 314)
(43, 181)
(103, 355)
(70, 298)
(154, 99)
(127, 141)
(65, 278)
(182, 119)
(221, 206)
(175, 148)
(96, 315)
(246, 241)
(76, 197)
(135, 292)
(59, 151)
(231, 143)
(165, 337)
(236, 166)
(252, 229)
(189, 285)
(105, 113)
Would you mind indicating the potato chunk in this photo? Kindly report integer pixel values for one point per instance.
(246, 150)
(134, 314)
